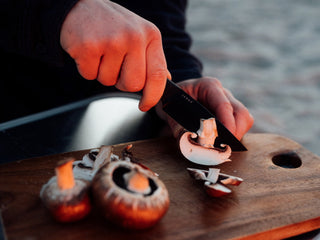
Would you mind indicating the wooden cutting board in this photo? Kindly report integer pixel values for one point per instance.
(273, 202)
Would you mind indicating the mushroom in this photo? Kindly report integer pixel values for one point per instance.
(91, 162)
(130, 195)
(199, 147)
(214, 180)
(216, 189)
(64, 196)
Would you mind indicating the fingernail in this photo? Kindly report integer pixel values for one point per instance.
(143, 108)
(169, 75)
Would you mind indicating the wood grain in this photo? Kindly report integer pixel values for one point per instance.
(272, 203)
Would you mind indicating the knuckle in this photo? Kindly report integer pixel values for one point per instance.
(129, 85)
(152, 31)
(134, 86)
(87, 48)
(211, 80)
(214, 81)
(106, 81)
(135, 38)
(158, 75)
(226, 106)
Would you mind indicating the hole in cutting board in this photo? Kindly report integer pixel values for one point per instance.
(287, 160)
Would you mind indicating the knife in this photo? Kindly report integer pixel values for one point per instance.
(186, 111)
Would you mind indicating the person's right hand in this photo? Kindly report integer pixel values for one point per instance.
(117, 47)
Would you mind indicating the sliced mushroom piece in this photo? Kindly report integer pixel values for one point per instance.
(200, 174)
(215, 180)
(212, 175)
(64, 196)
(199, 148)
(91, 162)
(130, 195)
(216, 189)
(197, 174)
(229, 180)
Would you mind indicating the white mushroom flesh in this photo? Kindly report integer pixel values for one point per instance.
(217, 189)
(203, 152)
(91, 163)
(207, 132)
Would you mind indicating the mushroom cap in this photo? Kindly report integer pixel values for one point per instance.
(119, 204)
(66, 205)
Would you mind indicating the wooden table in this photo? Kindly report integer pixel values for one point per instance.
(273, 202)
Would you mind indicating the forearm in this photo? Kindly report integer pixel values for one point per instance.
(32, 28)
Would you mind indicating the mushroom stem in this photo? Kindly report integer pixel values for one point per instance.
(137, 182)
(199, 147)
(207, 132)
(104, 156)
(64, 173)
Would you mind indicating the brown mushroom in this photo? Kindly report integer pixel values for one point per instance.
(199, 147)
(130, 195)
(64, 196)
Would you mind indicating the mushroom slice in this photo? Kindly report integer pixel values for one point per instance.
(229, 180)
(212, 175)
(216, 189)
(215, 180)
(130, 195)
(65, 196)
(200, 174)
(197, 174)
(199, 147)
(91, 162)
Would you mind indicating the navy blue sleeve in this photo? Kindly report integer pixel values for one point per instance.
(31, 28)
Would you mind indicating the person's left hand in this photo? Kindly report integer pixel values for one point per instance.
(218, 100)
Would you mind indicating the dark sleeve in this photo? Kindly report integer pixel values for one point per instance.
(170, 17)
(31, 28)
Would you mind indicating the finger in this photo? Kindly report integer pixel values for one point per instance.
(243, 119)
(222, 108)
(109, 69)
(169, 76)
(133, 71)
(156, 75)
(88, 65)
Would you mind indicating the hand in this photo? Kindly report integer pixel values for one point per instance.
(117, 47)
(220, 101)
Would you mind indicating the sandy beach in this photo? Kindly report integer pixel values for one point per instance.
(268, 54)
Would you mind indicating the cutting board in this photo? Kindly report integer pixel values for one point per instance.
(279, 198)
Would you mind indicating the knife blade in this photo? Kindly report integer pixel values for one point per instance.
(187, 111)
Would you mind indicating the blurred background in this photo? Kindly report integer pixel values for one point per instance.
(268, 54)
